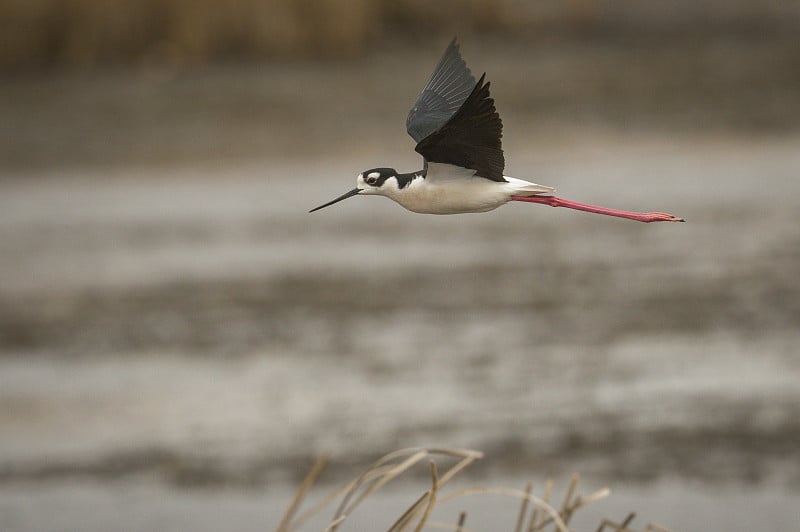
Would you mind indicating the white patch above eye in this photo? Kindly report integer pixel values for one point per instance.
(376, 175)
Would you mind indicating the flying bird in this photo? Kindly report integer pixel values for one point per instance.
(458, 133)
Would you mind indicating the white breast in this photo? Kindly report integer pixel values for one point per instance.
(449, 189)
(450, 197)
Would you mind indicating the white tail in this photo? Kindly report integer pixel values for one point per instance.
(526, 188)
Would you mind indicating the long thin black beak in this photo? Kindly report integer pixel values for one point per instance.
(337, 200)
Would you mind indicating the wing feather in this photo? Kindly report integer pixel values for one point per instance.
(471, 138)
(446, 91)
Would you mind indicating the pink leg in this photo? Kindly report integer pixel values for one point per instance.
(639, 216)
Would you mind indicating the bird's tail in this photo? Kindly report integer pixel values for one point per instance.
(526, 188)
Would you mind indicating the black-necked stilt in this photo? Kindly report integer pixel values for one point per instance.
(458, 132)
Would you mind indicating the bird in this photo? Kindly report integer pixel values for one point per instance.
(458, 132)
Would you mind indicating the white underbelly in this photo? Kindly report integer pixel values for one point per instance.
(453, 197)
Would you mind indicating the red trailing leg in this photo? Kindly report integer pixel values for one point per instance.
(553, 201)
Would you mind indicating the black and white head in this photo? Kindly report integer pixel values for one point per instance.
(376, 180)
(380, 181)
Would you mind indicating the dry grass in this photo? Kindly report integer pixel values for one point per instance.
(535, 513)
(88, 32)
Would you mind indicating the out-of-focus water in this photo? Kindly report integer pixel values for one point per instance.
(203, 330)
(179, 340)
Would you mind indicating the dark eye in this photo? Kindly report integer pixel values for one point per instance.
(372, 180)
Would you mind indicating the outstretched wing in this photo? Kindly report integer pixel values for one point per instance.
(448, 88)
(471, 138)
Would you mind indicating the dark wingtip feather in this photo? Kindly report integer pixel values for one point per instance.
(471, 138)
(445, 92)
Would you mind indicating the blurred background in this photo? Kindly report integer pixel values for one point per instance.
(179, 338)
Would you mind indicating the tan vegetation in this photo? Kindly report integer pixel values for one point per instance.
(88, 32)
(544, 512)
(92, 31)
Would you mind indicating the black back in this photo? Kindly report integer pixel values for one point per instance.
(446, 90)
(471, 138)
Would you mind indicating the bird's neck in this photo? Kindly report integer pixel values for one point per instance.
(404, 180)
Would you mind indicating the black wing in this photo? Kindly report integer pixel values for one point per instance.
(471, 138)
(448, 88)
